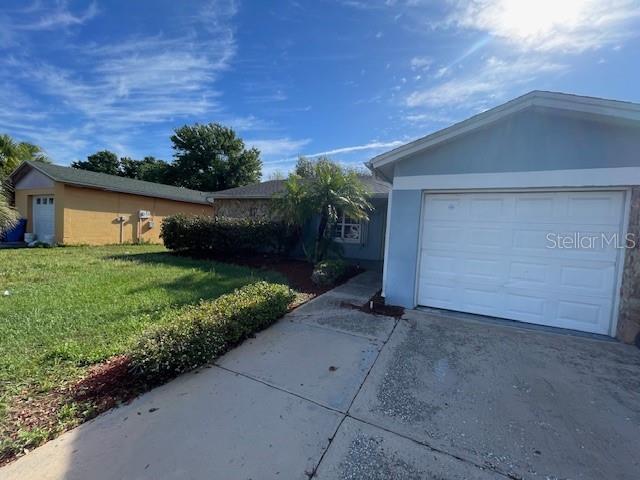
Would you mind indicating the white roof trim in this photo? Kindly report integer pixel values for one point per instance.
(560, 101)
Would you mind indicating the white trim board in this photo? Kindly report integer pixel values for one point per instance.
(592, 177)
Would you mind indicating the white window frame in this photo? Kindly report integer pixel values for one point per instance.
(341, 224)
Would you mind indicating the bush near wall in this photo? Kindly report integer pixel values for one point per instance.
(330, 272)
(203, 332)
(226, 235)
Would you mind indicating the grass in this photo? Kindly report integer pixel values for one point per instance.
(71, 307)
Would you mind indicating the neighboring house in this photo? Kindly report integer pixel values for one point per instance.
(478, 212)
(73, 206)
(362, 242)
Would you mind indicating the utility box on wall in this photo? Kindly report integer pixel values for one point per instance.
(143, 214)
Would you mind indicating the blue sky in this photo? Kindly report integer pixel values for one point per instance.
(349, 78)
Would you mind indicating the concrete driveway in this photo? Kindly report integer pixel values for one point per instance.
(333, 393)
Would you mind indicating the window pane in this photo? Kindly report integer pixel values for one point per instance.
(38, 201)
(51, 201)
(352, 232)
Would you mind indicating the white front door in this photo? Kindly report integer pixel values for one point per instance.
(43, 216)
(510, 255)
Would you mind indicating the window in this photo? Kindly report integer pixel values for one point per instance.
(38, 201)
(50, 201)
(347, 229)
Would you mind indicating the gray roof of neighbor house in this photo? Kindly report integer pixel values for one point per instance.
(103, 181)
(269, 188)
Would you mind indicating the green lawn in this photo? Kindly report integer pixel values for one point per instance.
(71, 307)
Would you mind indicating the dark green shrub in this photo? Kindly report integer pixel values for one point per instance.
(203, 332)
(329, 272)
(226, 235)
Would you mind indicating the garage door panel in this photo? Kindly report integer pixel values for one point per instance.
(447, 208)
(531, 308)
(542, 207)
(500, 262)
(589, 279)
(488, 207)
(579, 312)
(529, 272)
(595, 208)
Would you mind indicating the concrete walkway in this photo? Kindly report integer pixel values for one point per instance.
(330, 392)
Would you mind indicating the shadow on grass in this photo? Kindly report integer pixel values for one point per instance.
(220, 278)
(188, 261)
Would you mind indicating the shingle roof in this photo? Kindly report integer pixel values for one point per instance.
(267, 189)
(103, 181)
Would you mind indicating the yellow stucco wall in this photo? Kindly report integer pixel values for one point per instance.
(89, 216)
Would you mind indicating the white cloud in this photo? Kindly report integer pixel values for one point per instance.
(422, 118)
(549, 25)
(494, 80)
(421, 63)
(358, 148)
(51, 17)
(278, 147)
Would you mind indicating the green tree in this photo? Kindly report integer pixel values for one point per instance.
(328, 191)
(13, 153)
(103, 161)
(304, 167)
(211, 157)
(149, 169)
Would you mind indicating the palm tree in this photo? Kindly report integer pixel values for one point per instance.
(8, 215)
(329, 191)
(13, 153)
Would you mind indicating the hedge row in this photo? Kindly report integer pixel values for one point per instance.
(226, 235)
(205, 331)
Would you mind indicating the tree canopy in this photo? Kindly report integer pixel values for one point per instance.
(103, 161)
(13, 153)
(212, 157)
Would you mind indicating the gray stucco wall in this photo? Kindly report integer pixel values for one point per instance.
(531, 140)
(403, 247)
(34, 179)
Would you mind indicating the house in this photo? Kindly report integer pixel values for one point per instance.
(360, 241)
(521, 212)
(72, 206)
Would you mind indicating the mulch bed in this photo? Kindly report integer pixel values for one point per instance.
(297, 272)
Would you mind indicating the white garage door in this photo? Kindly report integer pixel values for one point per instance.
(499, 254)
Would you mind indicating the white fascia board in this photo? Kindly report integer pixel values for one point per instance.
(592, 177)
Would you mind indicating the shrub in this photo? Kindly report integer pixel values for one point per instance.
(329, 272)
(226, 235)
(202, 332)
